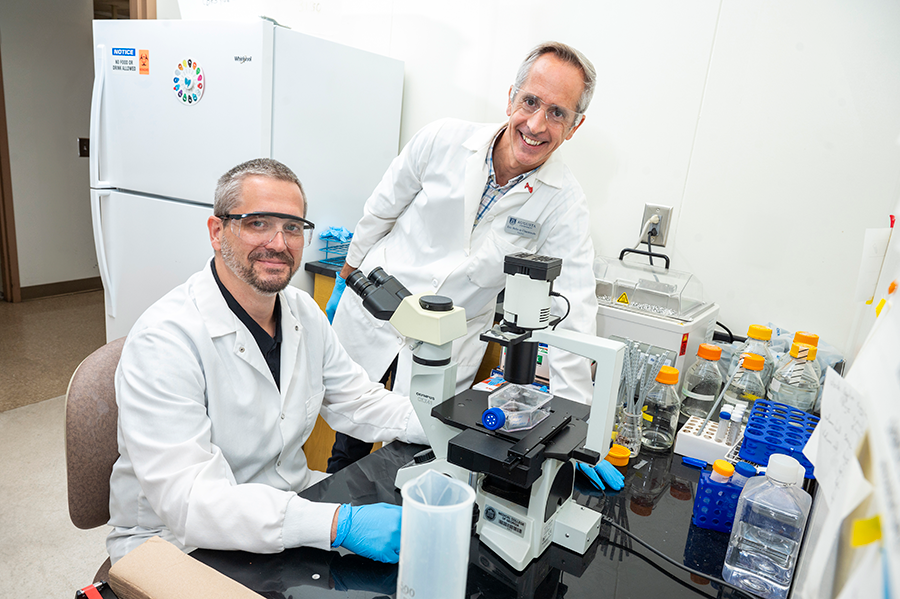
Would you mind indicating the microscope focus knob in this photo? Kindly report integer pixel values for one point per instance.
(436, 303)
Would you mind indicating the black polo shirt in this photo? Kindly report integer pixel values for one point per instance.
(268, 345)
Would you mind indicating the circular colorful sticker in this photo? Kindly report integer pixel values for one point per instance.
(188, 82)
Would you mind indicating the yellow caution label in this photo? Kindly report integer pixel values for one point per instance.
(865, 531)
(623, 299)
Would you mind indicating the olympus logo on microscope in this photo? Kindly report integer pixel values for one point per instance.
(429, 399)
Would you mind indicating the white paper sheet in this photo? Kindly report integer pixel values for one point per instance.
(837, 437)
(832, 449)
(876, 373)
(867, 580)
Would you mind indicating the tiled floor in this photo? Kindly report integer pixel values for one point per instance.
(42, 554)
(43, 341)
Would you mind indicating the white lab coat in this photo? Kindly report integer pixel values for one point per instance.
(211, 451)
(417, 225)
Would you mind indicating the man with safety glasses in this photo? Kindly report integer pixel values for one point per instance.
(219, 386)
(458, 199)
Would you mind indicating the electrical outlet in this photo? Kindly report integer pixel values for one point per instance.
(84, 147)
(665, 219)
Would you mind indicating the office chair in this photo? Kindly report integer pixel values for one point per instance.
(91, 439)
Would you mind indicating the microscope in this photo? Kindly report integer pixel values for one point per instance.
(523, 479)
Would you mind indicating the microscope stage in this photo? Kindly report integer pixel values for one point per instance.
(515, 457)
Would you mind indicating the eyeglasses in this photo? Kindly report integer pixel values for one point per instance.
(260, 228)
(556, 116)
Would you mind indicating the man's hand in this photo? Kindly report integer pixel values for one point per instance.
(371, 531)
(331, 307)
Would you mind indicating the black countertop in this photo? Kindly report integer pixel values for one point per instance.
(656, 505)
(323, 268)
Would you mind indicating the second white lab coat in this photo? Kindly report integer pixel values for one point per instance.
(417, 225)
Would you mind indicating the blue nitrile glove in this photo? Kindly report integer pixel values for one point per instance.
(371, 531)
(331, 306)
(603, 472)
(611, 474)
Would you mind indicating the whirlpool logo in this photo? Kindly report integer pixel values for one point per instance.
(243, 59)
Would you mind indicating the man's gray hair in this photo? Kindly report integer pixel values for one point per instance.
(567, 54)
(228, 189)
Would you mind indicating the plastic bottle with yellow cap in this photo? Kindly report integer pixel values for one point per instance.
(722, 471)
(702, 382)
(796, 383)
(758, 342)
(747, 386)
(661, 409)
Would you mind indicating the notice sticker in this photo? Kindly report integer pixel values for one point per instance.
(124, 60)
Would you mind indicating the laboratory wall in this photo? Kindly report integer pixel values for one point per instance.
(770, 127)
(47, 73)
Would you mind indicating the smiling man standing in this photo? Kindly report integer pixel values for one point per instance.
(219, 386)
(460, 197)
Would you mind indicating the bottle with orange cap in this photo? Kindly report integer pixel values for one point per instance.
(810, 339)
(801, 337)
(746, 384)
(758, 342)
(702, 382)
(796, 383)
(661, 408)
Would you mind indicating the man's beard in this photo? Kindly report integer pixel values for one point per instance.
(247, 274)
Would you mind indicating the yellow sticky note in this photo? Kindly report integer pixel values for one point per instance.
(865, 532)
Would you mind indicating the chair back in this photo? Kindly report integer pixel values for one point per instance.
(91, 438)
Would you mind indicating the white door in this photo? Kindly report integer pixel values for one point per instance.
(145, 247)
(145, 136)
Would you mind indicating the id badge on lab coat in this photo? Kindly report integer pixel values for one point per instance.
(522, 227)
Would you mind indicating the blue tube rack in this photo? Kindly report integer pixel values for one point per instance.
(715, 504)
(335, 252)
(777, 428)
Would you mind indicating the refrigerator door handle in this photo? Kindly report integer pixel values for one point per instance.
(96, 194)
(96, 98)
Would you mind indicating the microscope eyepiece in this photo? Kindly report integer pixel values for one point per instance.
(359, 284)
(380, 293)
(378, 276)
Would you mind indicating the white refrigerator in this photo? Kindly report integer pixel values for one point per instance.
(176, 104)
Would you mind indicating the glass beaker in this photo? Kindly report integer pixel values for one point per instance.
(629, 431)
